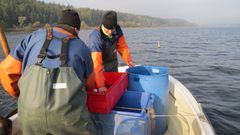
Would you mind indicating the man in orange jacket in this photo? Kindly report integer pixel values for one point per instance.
(104, 43)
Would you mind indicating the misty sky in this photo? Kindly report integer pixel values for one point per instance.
(197, 11)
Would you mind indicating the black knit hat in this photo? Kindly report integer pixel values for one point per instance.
(71, 18)
(109, 20)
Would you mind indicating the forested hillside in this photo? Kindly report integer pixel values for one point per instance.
(18, 14)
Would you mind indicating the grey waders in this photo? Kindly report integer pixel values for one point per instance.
(53, 101)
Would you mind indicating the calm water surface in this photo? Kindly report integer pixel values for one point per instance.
(205, 60)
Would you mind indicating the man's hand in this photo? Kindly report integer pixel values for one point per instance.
(101, 90)
(130, 64)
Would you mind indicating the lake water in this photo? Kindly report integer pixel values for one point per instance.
(205, 60)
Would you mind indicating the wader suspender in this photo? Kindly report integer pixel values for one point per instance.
(43, 52)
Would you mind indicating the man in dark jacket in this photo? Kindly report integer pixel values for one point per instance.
(104, 42)
(49, 70)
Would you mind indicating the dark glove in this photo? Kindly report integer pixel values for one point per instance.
(5, 126)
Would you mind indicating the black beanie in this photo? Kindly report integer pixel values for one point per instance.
(71, 18)
(109, 20)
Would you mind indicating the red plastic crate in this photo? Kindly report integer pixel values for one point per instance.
(104, 102)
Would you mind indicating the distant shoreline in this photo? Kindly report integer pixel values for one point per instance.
(22, 30)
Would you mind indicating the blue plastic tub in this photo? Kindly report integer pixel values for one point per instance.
(128, 117)
(152, 79)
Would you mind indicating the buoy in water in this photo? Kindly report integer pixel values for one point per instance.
(158, 45)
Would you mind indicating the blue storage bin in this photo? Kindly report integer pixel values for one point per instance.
(129, 117)
(152, 79)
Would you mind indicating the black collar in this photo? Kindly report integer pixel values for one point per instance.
(67, 28)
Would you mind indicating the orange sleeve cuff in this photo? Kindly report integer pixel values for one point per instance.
(98, 69)
(10, 72)
(90, 83)
(123, 50)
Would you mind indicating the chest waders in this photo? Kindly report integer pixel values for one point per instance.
(109, 56)
(53, 101)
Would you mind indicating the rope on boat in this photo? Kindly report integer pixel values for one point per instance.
(140, 109)
(153, 128)
(129, 108)
(181, 114)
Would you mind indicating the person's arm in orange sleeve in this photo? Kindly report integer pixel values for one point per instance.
(98, 69)
(10, 72)
(90, 83)
(123, 50)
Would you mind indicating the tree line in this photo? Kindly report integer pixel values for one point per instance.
(28, 14)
